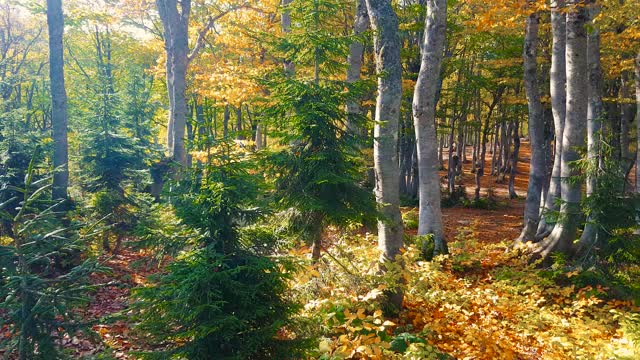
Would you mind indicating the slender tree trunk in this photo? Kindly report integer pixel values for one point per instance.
(536, 132)
(595, 109)
(424, 116)
(55, 23)
(239, 134)
(285, 19)
(354, 61)
(637, 72)
(384, 23)
(558, 107)
(514, 163)
(225, 122)
(564, 232)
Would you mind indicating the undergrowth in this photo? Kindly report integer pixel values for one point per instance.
(477, 302)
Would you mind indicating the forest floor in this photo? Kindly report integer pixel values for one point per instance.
(481, 303)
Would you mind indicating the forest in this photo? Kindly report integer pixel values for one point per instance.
(319, 179)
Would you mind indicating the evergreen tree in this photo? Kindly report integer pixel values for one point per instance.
(318, 172)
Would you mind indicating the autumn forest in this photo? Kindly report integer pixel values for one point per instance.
(319, 179)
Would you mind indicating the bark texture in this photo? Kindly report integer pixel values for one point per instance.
(424, 116)
(637, 71)
(536, 131)
(595, 110)
(175, 23)
(354, 61)
(55, 23)
(384, 23)
(558, 76)
(564, 232)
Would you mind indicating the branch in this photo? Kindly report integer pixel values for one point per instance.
(202, 34)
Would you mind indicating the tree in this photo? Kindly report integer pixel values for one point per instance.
(595, 112)
(175, 16)
(558, 78)
(384, 23)
(355, 58)
(536, 130)
(55, 23)
(637, 72)
(564, 232)
(424, 117)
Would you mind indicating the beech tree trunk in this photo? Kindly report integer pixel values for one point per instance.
(354, 61)
(558, 77)
(285, 22)
(536, 131)
(564, 232)
(424, 117)
(637, 71)
(55, 23)
(595, 109)
(384, 23)
(176, 31)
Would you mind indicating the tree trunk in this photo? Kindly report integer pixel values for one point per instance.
(564, 232)
(239, 134)
(175, 24)
(354, 61)
(558, 107)
(55, 23)
(595, 109)
(514, 164)
(536, 132)
(424, 117)
(384, 23)
(637, 71)
(285, 19)
(225, 122)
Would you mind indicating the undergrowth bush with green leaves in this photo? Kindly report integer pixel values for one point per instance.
(43, 279)
(221, 297)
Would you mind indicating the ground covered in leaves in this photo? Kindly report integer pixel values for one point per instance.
(478, 302)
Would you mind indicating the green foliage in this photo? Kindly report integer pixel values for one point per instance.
(410, 219)
(217, 198)
(116, 144)
(319, 170)
(227, 307)
(219, 297)
(458, 196)
(611, 210)
(39, 293)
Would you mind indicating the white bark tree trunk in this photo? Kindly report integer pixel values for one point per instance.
(637, 71)
(564, 232)
(558, 77)
(55, 23)
(536, 131)
(595, 110)
(424, 117)
(384, 23)
(354, 61)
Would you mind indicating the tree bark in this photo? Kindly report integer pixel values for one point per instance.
(637, 72)
(564, 232)
(514, 164)
(558, 107)
(384, 23)
(285, 21)
(595, 109)
(536, 132)
(55, 23)
(424, 117)
(354, 61)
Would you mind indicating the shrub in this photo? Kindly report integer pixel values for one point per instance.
(213, 305)
(39, 296)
